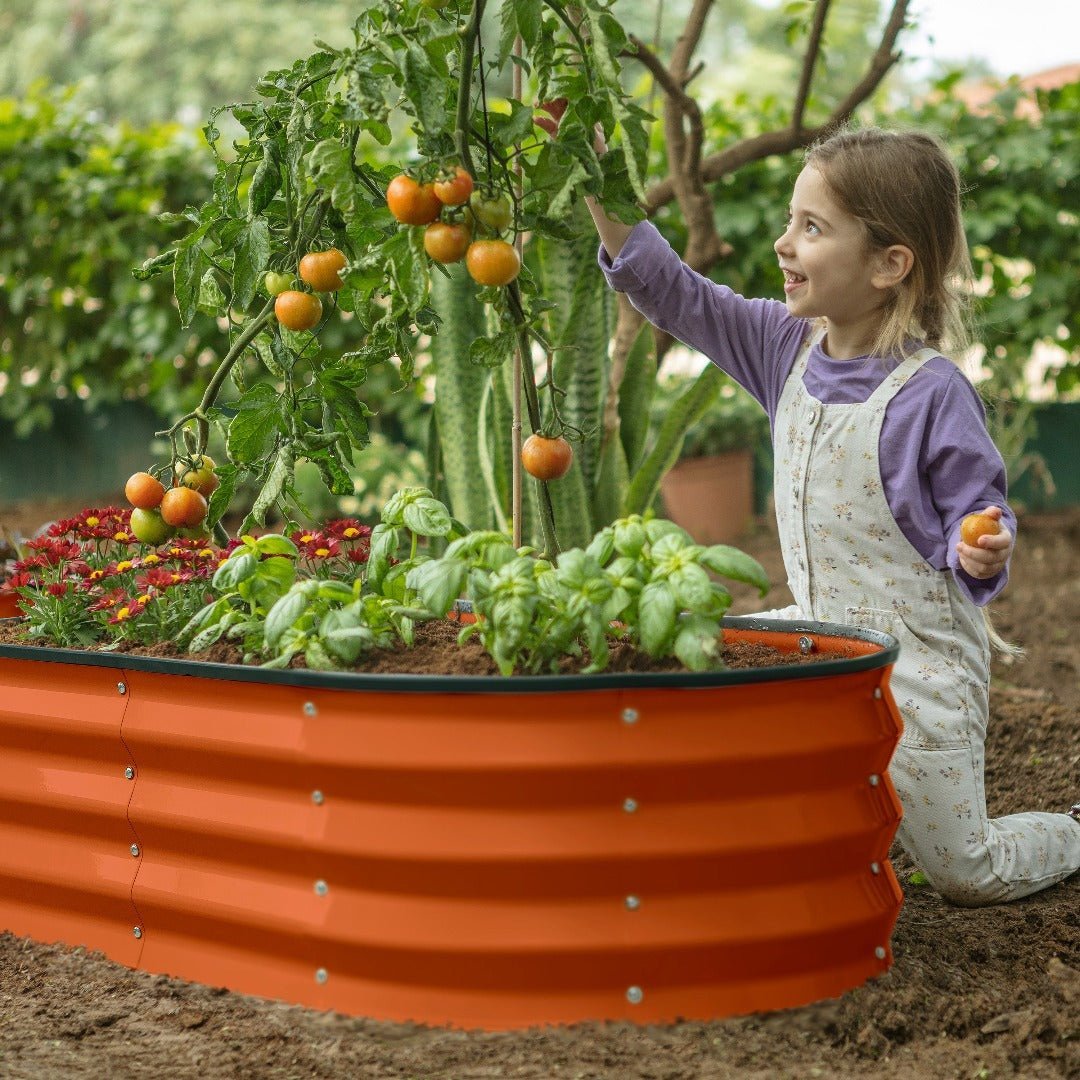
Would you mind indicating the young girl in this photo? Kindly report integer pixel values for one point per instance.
(881, 449)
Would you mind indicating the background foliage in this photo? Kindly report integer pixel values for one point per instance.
(81, 189)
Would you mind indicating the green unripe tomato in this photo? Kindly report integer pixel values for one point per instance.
(492, 211)
(148, 527)
(275, 283)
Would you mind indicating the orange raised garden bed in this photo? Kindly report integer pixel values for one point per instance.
(480, 852)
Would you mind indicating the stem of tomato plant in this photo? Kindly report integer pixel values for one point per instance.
(469, 33)
(210, 394)
(532, 403)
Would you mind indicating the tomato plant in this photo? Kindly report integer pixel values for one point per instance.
(546, 458)
(412, 203)
(492, 262)
(447, 242)
(456, 189)
(144, 490)
(321, 269)
(308, 186)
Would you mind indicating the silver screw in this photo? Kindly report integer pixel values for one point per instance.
(875, 868)
(317, 798)
(880, 953)
(129, 772)
(121, 688)
(630, 716)
(630, 805)
(321, 888)
(321, 975)
(135, 851)
(309, 709)
(806, 645)
(137, 931)
(633, 903)
(874, 779)
(877, 692)
(634, 994)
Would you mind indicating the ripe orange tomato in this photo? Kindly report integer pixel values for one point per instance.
(320, 269)
(456, 189)
(976, 525)
(183, 507)
(445, 242)
(546, 459)
(148, 526)
(412, 203)
(297, 310)
(144, 491)
(492, 262)
(200, 476)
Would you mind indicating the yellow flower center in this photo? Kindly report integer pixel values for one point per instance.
(350, 532)
(121, 535)
(322, 552)
(122, 566)
(306, 538)
(92, 521)
(151, 559)
(124, 613)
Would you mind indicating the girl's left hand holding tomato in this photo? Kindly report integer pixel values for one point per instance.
(990, 553)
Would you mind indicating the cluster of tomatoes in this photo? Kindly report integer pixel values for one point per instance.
(160, 512)
(473, 235)
(298, 310)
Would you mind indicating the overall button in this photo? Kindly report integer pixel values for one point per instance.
(813, 416)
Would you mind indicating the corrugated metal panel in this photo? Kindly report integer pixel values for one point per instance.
(506, 859)
(66, 867)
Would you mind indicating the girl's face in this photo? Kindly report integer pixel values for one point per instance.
(829, 270)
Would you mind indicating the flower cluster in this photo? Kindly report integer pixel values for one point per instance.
(337, 549)
(86, 579)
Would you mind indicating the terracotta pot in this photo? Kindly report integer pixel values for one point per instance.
(482, 852)
(712, 498)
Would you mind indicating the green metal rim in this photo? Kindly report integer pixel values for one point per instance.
(887, 645)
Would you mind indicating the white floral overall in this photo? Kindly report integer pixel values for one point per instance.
(848, 562)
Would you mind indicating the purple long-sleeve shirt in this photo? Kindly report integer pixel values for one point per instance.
(937, 460)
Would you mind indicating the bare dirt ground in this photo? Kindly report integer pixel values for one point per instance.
(972, 994)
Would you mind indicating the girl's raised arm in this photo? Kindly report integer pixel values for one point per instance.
(613, 233)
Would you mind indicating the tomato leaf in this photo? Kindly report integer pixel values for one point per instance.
(258, 421)
(264, 183)
(280, 471)
(252, 255)
(331, 168)
(425, 89)
(188, 269)
(493, 351)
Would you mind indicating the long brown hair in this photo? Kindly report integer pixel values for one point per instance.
(904, 188)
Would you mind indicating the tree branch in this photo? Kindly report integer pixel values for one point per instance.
(716, 166)
(813, 48)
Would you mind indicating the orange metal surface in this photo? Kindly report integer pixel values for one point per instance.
(485, 860)
(66, 867)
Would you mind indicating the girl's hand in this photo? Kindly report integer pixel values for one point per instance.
(991, 554)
